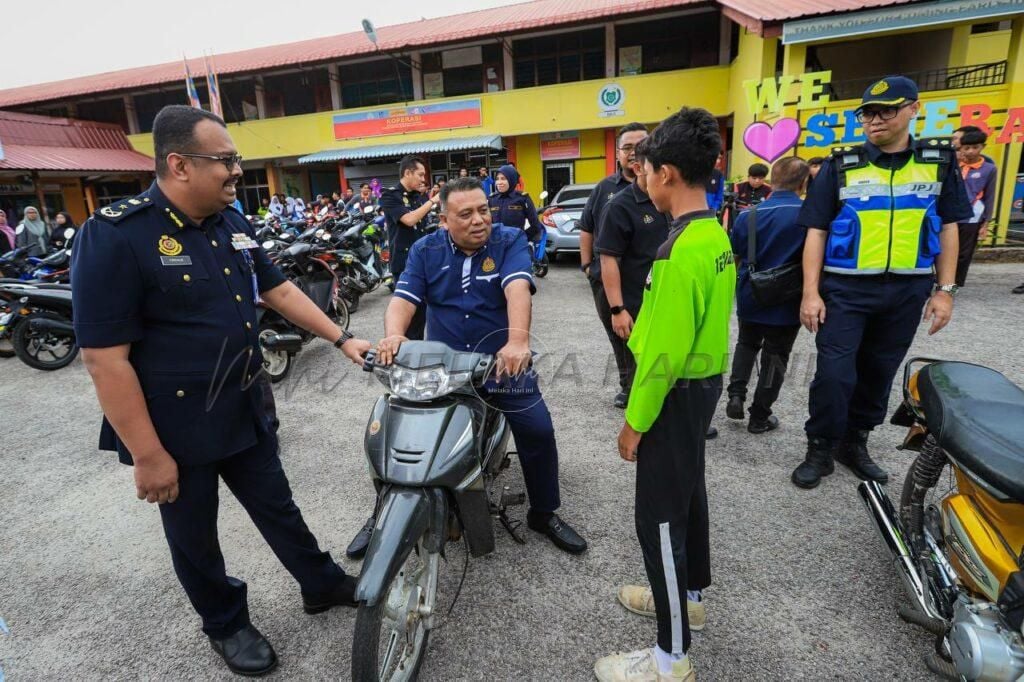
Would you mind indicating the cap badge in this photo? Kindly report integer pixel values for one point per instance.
(879, 87)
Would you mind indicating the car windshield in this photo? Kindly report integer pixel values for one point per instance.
(568, 194)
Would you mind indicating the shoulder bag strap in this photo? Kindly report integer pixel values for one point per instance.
(752, 238)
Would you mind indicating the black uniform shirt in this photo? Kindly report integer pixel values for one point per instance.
(396, 202)
(590, 220)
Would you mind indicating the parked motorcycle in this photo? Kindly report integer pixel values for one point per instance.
(435, 450)
(39, 324)
(958, 539)
(300, 264)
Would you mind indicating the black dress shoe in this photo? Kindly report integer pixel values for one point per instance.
(763, 425)
(852, 453)
(711, 434)
(357, 548)
(1019, 289)
(246, 652)
(621, 400)
(560, 533)
(343, 595)
(816, 464)
(734, 409)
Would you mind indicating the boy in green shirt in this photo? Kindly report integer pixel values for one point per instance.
(681, 345)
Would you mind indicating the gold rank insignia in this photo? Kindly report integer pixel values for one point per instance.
(169, 246)
(488, 265)
(174, 217)
(879, 87)
(648, 218)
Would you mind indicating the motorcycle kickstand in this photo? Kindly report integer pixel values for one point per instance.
(501, 511)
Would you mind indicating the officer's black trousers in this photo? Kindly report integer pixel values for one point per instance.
(624, 362)
(672, 505)
(870, 322)
(259, 483)
(774, 344)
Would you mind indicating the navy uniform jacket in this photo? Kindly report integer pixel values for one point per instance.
(515, 209)
(396, 202)
(465, 295)
(144, 274)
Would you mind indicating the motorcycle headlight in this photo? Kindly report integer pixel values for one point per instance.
(347, 259)
(421, 384)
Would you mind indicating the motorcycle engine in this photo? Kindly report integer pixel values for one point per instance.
(981, 644)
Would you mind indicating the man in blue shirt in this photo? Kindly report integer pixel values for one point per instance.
(486, 181)
(476, 282)
(768, 330)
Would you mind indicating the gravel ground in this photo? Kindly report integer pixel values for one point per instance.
(801, 587)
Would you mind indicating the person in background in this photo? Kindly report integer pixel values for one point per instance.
(364, 199)
(979, 177)
(324, 208)
(300, 208)
(512, 208)
(7, 236)
(486, 181)
(62, 221)
(36, 234)
(814, 165)
(264, 208)
(275, 207)
(772, 330)
(463, 172)
(289, 208)
(755, 189)
(716, 187)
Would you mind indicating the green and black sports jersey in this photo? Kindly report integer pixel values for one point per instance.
(683, 328)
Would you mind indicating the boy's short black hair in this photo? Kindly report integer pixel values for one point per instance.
(641, 150)
(466, 184)
(758, 170)
(689, 140)
(364, 184)
(976, 136)
(967, 129)
(409, 164)
(174, 131)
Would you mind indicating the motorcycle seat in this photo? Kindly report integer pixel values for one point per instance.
(977, 416)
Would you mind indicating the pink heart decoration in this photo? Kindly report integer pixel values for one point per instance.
(770, 142)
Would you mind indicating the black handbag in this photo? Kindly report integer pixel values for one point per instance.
(772, 286)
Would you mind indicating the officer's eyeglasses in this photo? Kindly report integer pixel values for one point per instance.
(885, 113)
(628, 148)
(229, 161)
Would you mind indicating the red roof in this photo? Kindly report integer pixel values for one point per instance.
(63, 144)
(783, 10)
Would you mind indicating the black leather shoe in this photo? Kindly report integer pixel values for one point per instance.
(763, 425)
(357, 548)
(560, 533)
(734, 410)
(343, 595)
(711, 434)
(852, 453)
(1019, 289)
(816, 464)
(246, 652)
(621, 400)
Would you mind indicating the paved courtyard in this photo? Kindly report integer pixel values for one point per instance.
(801, 587)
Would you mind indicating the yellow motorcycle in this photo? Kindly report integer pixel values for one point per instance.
(957, 537)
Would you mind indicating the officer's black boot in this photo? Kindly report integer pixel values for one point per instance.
(852, 453)
(818, 463)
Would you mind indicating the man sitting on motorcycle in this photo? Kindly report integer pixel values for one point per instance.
(475, 281)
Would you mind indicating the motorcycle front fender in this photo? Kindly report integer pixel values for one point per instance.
(405, 514)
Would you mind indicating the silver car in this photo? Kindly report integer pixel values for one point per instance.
(562, 219)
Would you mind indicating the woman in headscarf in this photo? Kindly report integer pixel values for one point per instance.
(35, 235)
(6, 234)
(289, 208)
(300, 208)
(276, 209)
(512, 208)
(62, 222)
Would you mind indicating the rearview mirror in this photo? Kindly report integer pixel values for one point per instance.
(543, 195)
(69, 233)
(268, 245)
(19, 229)
(367, 209)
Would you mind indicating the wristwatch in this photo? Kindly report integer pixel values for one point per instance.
(616, 309)
(950, 289)
(345, 336)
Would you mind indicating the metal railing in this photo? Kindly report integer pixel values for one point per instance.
(952, 78)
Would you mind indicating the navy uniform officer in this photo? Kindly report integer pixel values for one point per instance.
(475, 282)
(511, 208)
(165, 287)
(405, 208)
(881, 223)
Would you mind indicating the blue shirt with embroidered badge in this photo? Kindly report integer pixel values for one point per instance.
(182, 295)
(465, 295)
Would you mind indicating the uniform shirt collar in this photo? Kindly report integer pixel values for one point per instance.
(680, 223)
(641, 196)
(875, 154)
(783, 194)
(454, 247)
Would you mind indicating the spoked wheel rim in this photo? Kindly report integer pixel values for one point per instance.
(275, 363)
(407, 617)
(341, 310)
(49, 348)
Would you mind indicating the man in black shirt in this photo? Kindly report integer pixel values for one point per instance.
(629, 136)
(755, 189)
(631, 231)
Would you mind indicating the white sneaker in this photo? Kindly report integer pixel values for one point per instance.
(640, 666)
(640, 600)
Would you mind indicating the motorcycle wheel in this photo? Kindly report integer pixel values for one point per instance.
(47, 352)
(390, 637)
(540, 267)
(342, 310)
(276, 364)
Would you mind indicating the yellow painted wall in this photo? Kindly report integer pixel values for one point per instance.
(755, 58)
(589, 170)
(528, 163)
(590, 167)
(985, 48)
(74, 200)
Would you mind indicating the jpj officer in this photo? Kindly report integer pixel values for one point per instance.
(881, 245)
(173, 351)
(512, 208)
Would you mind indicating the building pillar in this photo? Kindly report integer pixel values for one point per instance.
(508, 65)
(261, 102)
(1012, 159)
(417, 75)
(724, 39)
(610, 157)
(335, 82)
(958, 45)
(610, 53)
(755, 60)
(794, 60)
(273, 184)
(342, 180)
(131, 115)
(91, 203)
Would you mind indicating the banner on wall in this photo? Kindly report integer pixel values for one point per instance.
(418, 118)
(560, 146)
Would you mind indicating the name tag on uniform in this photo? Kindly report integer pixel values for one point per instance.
(176, 260)
(241, 241)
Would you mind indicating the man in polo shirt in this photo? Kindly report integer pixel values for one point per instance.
(475, 282)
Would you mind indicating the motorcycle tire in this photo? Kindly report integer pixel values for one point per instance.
(352, 301)
(540, 268)
(23, 339)
(369, 638)
(276, 365)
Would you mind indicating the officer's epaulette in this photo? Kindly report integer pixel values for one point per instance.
(849, 156)
(934, 150)
(119, 210)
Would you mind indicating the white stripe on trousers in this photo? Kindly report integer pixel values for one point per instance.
(668, 565)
